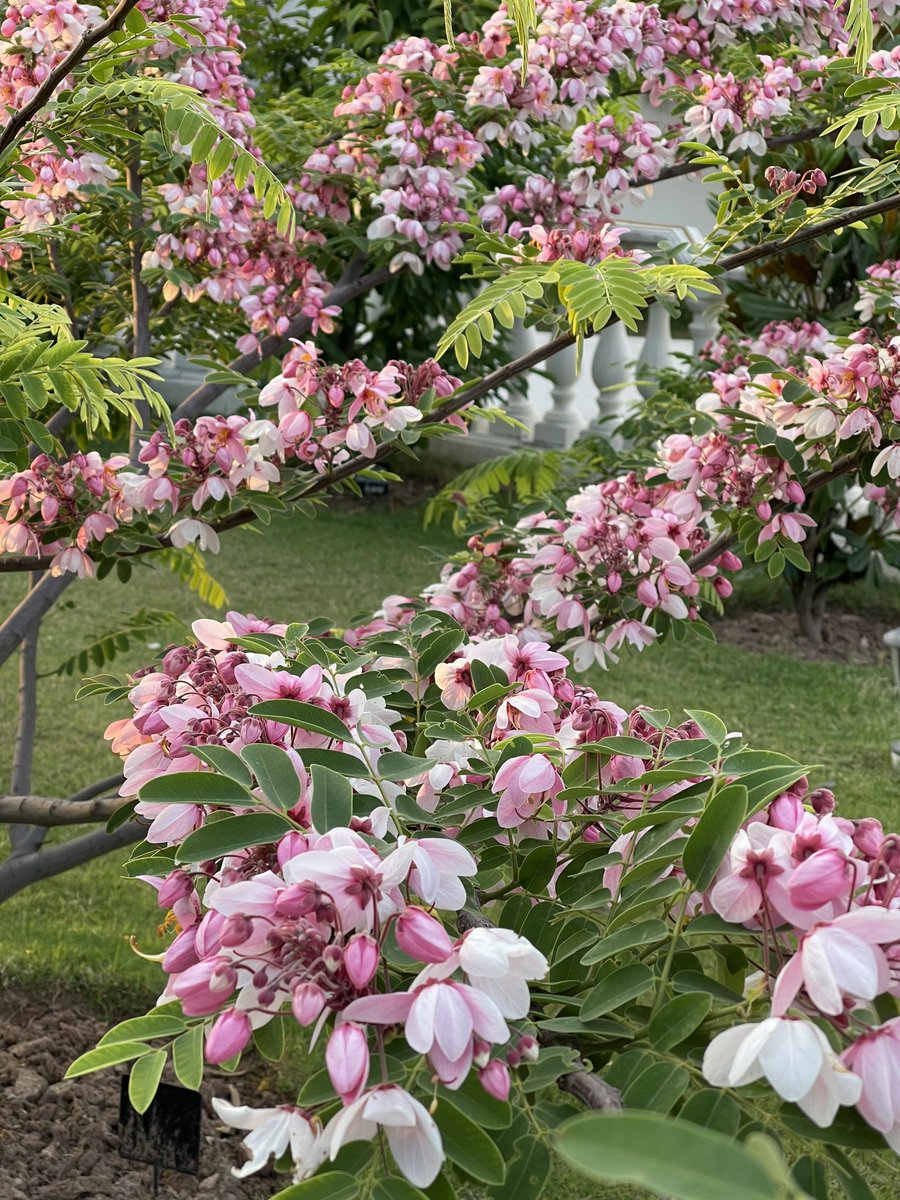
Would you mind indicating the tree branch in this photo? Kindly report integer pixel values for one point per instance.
(24, 841)
(140, 297)
(351, 284)
(19, 873)
(46, 812)
(677, 170)
(28, 614)
(62, 70)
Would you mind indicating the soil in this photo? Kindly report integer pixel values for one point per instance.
(849, 637)
(59, 1138)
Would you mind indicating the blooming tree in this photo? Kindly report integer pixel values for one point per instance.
(462, 872)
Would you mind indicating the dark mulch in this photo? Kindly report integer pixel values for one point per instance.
(59, 1139)
(849, 637)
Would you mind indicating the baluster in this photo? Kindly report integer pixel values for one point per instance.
(521, 340)
(613, 375)
(705, 313)
(562, 424)
(657, 349)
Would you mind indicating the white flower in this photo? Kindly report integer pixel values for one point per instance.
(412, 1134)
(499, 962)
(273, 1131)
(190, 530)
(793, 1055)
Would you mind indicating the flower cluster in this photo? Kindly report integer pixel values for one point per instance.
(879, 292)
(823, 892)
(325, 414)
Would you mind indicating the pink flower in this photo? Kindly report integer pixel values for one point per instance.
(525, 782)
(875, 1058)
(412, 1134)
(307, 1002)
(441, 1019)
(347, 1060)
(499, 962)
(837, 959)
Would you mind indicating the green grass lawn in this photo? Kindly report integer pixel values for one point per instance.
(70, 933)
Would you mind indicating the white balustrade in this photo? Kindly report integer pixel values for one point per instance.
(612, 371)
(658, 350)
(563, 423)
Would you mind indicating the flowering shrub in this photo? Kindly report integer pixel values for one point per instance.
(469, 877)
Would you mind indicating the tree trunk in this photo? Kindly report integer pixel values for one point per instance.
(810, 598)
(25, 839)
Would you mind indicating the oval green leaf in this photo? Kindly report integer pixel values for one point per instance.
(233, 833)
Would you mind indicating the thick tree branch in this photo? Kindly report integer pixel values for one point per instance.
(351, 284)
(62, 70)
(46, 811)
(19, 873)
(29, 613)
(26, 840)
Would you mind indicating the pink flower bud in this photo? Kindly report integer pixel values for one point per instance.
(494, 1078)
(307, 1001)
(228, 1036)
(481, 1053)
(332, 957)
(237, 930)
(823, 876)
(347, 1060)
(176, 886)
(868, 837)
(361, 959)
(422, 937)
(528, 1048)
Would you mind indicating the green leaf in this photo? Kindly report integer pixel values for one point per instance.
(333, 1185)
(144, 1079)
(473, 1101)
(624, 984)
(336, 760)
(216, 838)
(670, 1157)
(712, 1109)
(332, 799)
(269, 1039)
(305, 716)
(527, 1174)
(187, 1057)
(393, 1188)
(711, 726)
(538, 868)
(640, 934)
(713, 834)
(678, 1019)
(659, 1088)
(632, 746)
(275, 773)
(553, 1062)
(469, 1146)
(225, 761)
(154, 1025)
(197, 787)
(106, 1056)
(435, 648)
(394, 765)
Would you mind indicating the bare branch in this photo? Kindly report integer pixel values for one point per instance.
(591, 1090)
(29, 613)
(140, 297)
(62, 70)
(24, 841)
(19, 873)
(46, 812)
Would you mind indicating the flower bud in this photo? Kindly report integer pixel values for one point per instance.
(347, 1060)
(481, 1053)
(528, 1048)
(332, 957)
(361, 959)
(228, 1036)
(823, 876)
(422, 936)
(868, 837)
(176, 886)
(494, 1078)
(307, 1002)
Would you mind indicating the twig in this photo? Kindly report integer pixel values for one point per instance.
(140, 297)
(62, 70)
